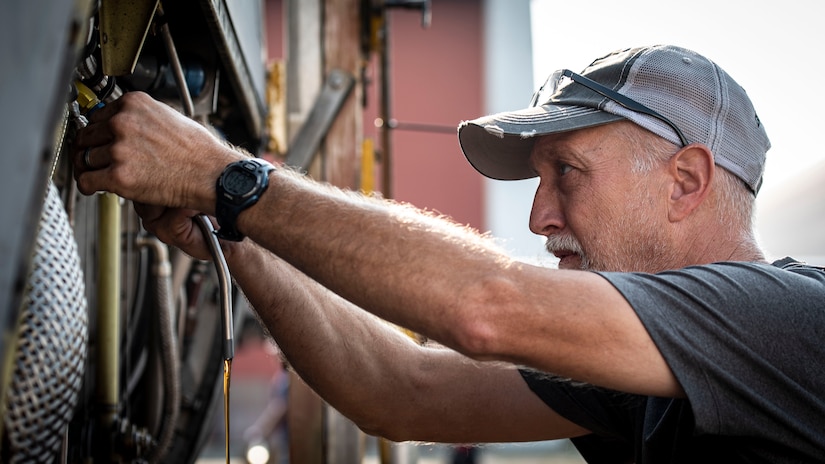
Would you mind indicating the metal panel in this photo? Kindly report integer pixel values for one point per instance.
(123, 28)
(238, 31)
(36, 55)
(308, 139)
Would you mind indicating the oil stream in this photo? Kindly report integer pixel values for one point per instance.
(227, 371)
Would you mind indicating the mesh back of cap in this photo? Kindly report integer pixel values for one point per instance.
(707, 105)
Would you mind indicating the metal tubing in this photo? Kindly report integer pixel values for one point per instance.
(168, 344)
(203, 222)
(225, 283)
(177, 69)
(108, 308)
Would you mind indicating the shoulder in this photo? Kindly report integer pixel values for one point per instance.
(738, 299)
(816, 273)
(726, 284)
(735, 334)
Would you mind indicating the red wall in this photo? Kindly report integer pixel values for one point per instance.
(436, 80)
(274, 11)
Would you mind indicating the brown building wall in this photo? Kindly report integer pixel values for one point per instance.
(436, 81)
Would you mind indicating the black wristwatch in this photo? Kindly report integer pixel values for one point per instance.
(239, 186)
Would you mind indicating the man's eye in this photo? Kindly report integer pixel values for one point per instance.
(564, 168)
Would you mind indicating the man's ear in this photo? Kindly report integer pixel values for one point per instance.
(692, 170)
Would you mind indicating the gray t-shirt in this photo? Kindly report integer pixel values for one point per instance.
(746, 341)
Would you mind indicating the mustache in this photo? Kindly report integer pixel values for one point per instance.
(568, 243)
(563, 243)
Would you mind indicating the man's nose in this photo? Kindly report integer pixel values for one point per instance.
(546, 217)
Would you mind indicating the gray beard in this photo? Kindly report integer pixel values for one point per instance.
(647, 251)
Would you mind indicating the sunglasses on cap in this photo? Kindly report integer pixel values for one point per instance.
(554, 84)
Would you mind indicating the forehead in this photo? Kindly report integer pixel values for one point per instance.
(603, 143)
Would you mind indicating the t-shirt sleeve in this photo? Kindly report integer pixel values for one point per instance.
(742, 339)
(600, 410)
(612, 416)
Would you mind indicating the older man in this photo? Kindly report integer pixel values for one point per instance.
(664, 337)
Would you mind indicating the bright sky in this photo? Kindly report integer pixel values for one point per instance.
(773, 49)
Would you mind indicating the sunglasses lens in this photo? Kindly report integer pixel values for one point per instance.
(548, 89)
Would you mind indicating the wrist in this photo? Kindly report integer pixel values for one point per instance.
(239, 187)
(205, 192)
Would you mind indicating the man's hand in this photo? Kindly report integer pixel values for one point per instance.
(175, 227)
(145, 151)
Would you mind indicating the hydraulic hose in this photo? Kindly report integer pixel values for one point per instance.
(225, 283)
(203, 222)
(161, 272)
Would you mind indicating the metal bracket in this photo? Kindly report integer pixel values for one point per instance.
(424, 5)
(123, 29)
(307, 141)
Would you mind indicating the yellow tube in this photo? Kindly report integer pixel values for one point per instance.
(367, 166)
(108, 306)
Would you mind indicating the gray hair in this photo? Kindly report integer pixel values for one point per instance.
(736, 201)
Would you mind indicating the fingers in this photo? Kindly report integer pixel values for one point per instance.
(101, 130)
(175, 227)
(94, 145)
(87, 153)
(143, 150)
(87, 162)
(98, 131)
(91, 169)
(91, 159)
(172, 225)
(149, 213)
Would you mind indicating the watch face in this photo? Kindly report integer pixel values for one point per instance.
(239, 182)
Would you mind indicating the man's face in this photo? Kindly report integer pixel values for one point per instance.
(596, 212)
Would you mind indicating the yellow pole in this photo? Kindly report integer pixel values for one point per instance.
(367, 166)
(108, 308)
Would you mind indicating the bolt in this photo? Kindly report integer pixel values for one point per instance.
(336, 81)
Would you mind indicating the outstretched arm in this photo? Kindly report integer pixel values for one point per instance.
(420, 272)
(384, 381)
(380, 378)
(454, 286)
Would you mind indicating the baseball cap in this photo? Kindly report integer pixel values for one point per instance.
(671, 91)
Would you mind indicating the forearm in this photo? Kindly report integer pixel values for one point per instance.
(380, 378)
(418, 271)
(322, 336)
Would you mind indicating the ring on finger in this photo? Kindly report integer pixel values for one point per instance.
(86, 162)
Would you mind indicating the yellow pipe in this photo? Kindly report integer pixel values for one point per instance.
(367, 166)
(108, 307)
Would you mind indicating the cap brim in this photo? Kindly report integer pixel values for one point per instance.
(498, 146)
